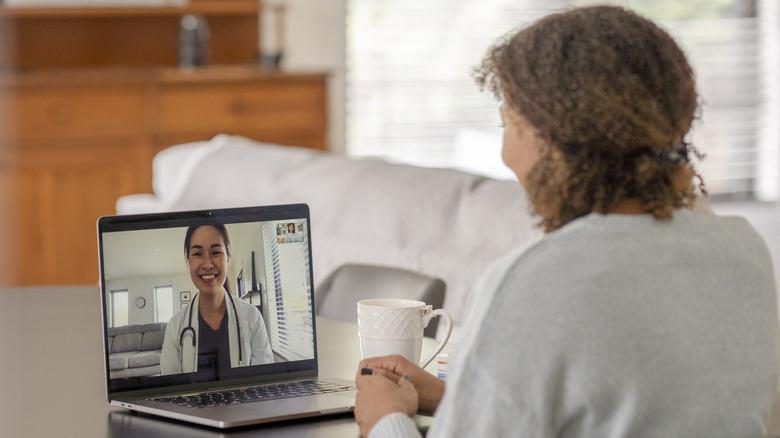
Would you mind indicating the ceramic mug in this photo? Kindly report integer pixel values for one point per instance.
(395, 326)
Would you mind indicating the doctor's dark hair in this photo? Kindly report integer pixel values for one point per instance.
(217, 225)
(612, 97)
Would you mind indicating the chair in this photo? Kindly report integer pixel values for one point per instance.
(339, 293)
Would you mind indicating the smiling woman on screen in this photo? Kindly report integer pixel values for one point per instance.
(215, 331)
(634, 316)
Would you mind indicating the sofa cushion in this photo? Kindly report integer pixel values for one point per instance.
(144, 359)
(120, 361)
(153, 340)
(135, 372)
(126, 342)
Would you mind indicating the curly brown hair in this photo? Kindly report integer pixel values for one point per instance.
(613, 97)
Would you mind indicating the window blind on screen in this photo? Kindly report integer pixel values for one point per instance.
(411, 98)
(288, 296)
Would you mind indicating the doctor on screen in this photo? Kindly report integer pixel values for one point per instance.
(215, 331)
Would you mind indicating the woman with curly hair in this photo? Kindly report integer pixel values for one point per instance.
(634, 316)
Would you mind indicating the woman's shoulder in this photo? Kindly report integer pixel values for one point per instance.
(727, 231)
(590, 245)
(684, 222)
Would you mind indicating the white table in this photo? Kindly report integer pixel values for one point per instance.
(51, 373)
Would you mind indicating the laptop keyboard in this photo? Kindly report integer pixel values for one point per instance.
(252, 394)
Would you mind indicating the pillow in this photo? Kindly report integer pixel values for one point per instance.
(144, 359)
(126, 342)
(118, 362)
(152, 340)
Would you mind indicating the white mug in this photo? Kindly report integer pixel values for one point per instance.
(395, 326)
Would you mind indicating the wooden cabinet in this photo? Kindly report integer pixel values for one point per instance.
(287, 109)
(124, 36)
(79, 124)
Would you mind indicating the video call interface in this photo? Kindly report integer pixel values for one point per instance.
(147, 281)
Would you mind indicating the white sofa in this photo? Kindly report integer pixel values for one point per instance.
(442, 222)
(134, 350)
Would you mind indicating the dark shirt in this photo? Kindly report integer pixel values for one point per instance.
(213, 347)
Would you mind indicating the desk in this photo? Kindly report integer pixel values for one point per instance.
(41, 397)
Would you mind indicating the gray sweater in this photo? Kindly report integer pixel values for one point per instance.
(618, 326)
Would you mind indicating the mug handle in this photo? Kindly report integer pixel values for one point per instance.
(426, 319)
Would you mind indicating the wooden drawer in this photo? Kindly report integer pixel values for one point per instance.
(239, 107)
(70, 113)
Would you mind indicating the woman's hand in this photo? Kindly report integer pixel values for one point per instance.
(378, 396)
(429, 388)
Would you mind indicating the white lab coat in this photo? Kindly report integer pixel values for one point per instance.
(179, 355)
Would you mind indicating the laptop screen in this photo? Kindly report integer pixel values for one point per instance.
(167, 318)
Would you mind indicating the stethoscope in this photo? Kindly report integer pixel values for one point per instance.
(189, 329)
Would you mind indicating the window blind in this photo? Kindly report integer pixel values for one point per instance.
(411, 98)
(287, 297)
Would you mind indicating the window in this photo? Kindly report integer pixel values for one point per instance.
(287, 297)
(411, 98)
(163, 303)
(119, 313)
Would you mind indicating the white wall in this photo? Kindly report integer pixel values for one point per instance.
(316, 40)
(144, 287)
(244, 239)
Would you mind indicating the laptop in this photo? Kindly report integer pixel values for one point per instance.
(155, 339)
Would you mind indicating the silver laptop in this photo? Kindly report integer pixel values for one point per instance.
(259, 364)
